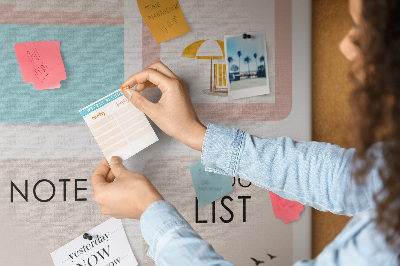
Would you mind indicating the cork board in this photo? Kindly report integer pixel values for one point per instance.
(330, 108)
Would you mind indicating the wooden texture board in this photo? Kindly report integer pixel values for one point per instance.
(330, 104)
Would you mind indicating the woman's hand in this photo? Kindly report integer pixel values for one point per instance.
(174, 112)
(128, 196)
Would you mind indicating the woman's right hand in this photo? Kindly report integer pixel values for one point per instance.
(174, 112)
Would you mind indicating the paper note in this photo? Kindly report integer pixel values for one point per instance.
(118, 126)
(109, 246)
(164, 18)
(284, 209)
(209, 186)
(41, 63)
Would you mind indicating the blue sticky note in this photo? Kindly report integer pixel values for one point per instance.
(209, 186)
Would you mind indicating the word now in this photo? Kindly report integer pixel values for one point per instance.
(49, 184)
(93, 259)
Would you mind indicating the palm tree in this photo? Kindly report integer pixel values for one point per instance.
(239, 54)
(255, 57)
(234, 68)
(262, 59)
(230, 60)
(247, 60)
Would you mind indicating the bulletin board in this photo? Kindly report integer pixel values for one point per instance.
(47, 149)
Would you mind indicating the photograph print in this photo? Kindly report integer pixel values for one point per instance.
(247, 65)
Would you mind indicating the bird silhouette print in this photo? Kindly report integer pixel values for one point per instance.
(271, 256)
(257, 261)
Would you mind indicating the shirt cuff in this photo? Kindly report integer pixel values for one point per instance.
(222, 147)
(159, 218)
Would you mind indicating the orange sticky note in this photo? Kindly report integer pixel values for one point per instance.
(284, 209)
(41, 63)
(164, 18)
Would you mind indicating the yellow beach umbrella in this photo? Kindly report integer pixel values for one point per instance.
(210, 52)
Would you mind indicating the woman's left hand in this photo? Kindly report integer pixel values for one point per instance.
(128, 196)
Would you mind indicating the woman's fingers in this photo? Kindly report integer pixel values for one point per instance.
(100, 174)
(110, 177)
(159, 80)
(143, 86)
(160, 67)
(119, 170)
(141, 102)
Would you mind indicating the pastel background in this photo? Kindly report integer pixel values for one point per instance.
(55, 140)
(93, 58)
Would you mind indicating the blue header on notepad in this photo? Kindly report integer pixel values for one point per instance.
(100, 103)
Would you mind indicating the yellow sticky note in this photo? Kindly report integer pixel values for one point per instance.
(164, 18)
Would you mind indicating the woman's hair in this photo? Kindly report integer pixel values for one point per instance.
(376, 106)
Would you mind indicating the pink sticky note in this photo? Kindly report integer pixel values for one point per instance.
(41, 63)
(284, 209)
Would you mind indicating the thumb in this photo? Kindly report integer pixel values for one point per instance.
(99, 176)
(138, 100)
(117, 167)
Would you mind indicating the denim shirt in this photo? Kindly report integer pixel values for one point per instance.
(312, 173)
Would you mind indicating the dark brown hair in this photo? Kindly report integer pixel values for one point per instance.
(375, 102)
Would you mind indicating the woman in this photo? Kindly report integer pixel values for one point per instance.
(363, 183)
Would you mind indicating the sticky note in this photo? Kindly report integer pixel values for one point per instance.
(209, 186)
(118, 126)
(41, 64)
(108, 246)
(164, 18)
(284, 209)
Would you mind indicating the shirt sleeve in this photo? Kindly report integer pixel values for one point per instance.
(312, 173)
(172, 241)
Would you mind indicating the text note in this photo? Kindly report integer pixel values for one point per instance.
(164, 18)
(209, 186)
(41, 64)
(109, 246)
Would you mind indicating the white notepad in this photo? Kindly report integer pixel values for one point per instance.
(118, 126)
(108, 246)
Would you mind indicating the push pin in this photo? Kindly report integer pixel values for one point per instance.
(246, 36)
(87, 236)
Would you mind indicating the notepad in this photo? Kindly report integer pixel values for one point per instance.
(108, 246)
(118, 126)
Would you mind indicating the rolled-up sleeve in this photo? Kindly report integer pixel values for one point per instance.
(172, 241)
(313, 173)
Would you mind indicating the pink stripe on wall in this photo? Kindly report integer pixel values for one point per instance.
(151, 50)
(283, 77)
(9, 16)
(151, 53)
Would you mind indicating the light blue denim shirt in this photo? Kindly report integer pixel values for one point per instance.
(312, 173)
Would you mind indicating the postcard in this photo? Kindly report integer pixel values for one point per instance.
(247, 65)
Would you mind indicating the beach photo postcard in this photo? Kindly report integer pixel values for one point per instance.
(247, 65)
